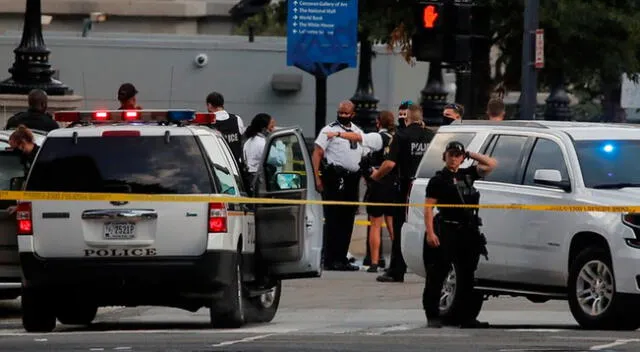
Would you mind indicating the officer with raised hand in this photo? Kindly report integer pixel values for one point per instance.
(453, 236)
(336, 164)
(405, 154)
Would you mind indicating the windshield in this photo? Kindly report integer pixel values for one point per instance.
(147, 165)
(609, 164)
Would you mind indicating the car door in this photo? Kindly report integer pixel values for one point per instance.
(10, 167)
(503, 227)
(288, 236)
(543, 231)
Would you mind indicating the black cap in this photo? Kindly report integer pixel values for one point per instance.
(126, 91)
(455, 146)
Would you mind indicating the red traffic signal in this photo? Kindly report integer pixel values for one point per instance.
(429, 16)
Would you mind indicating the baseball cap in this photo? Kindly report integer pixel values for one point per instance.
(455, 146)
(126, 91)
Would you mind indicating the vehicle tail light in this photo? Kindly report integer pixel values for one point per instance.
(23, 215)
(217, 217)
(126, 133)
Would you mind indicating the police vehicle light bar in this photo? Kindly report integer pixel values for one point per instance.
(205, 118)
(125, 116)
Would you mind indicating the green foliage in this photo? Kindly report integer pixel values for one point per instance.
(272, 21)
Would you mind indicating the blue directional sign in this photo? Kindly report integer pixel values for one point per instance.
(322, 35)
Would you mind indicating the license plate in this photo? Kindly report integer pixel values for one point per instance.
(119, 231)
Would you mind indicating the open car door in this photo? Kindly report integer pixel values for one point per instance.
(288, 236)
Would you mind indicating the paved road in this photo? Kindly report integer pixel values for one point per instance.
(340, 312)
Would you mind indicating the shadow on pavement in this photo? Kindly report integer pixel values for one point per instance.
(109, 326)
(10, 309)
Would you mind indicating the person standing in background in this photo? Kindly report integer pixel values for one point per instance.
(230, 125)
(253, 149)
(36, 117)
(127, 97)
(495, 109)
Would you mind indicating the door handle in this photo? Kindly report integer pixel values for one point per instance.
(124, 214)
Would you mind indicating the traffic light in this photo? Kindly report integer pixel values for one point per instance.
(449, 31)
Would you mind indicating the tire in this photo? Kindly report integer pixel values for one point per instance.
(263, 309)
(37, 314)
(230, 311)
(81, 314)
(453, 309)
(592, 280)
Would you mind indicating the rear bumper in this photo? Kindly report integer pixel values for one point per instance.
(208, 273)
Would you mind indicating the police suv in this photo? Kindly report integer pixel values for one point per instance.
(206, 250)
(590, 258)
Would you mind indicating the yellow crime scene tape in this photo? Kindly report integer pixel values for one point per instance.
(131, 197)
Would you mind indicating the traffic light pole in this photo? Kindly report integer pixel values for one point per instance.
(528, 91)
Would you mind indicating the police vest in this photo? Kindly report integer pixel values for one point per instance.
(377, 157)
(231, 132)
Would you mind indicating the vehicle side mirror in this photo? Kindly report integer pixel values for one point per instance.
(550, 177)
(16, 183)
(288, 180)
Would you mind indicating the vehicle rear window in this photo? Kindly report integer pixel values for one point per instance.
(10, 167)
(146, 165)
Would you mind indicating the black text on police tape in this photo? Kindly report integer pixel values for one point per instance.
(121, 252)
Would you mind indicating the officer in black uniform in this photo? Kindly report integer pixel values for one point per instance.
(231, 126)
(453, 237)
(406, 151)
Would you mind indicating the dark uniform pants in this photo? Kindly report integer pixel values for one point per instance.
(398, 267)
(455, 248)
(339, 185)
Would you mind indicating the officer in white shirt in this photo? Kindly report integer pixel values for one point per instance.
(336, 164)
(255, 135)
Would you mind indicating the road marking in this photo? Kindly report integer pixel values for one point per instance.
(246, 339)
(40, 340)
(536, 330)
(96, 349)
(384, 330)
(122, 348)
(619, 342)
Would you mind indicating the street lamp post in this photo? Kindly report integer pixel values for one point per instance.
(528, 92)
(434, 96)
(558, 101)
(31, 69)
(364, 99)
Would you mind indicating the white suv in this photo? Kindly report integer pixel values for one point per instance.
(78, 255)
(590, 258)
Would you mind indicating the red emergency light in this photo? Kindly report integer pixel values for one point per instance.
(124, 116)
(205, 118)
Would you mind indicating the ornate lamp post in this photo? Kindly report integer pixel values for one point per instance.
(31, 69)
(558, 101)
(434, 96)
(364, 99)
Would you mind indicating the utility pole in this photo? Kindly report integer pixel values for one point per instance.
(529, 91)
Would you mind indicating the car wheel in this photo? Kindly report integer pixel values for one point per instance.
(230, 312)
(263, 308)
(593, 299)
(80, 314)
(37, 313)
(453, 309)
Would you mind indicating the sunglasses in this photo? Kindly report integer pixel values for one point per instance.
(407, 102)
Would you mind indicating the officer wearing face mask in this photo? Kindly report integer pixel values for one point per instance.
(403, 110)
(336, 165)
(451, 113)
(453, 237)
(405, 154)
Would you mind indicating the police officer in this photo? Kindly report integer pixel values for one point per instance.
(336, 164)
(383, 191)
(406, 151)
(231, 126)
(36, 117)
(453, 236)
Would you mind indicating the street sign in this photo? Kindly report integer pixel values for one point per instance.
(539, 62)
(322, 35)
